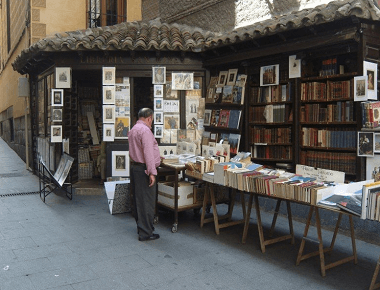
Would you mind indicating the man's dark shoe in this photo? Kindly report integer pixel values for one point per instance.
(150, 238)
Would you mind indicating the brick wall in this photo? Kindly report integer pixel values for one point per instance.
(150, 9)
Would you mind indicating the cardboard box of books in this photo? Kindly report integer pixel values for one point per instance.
(219, 171)
(166, 193)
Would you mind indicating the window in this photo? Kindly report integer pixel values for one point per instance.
(106, 12)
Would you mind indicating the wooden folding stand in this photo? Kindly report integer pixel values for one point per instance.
(209, 195)
(264, 242)
(375, 285)
(321, 251)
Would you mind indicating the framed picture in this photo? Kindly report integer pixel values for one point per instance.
(63, 77)
(158, 104)
(360, 88)
(158, 117)
(171, 106)
(171, 121)
(108, 114)
(57, 97)
(120, 163)
(294, 67)
(158, 131)
(122, 125)
(109, 75)
(231, 78)
(158, 75)
(66, 145)
(269, 75)
(56, 115)
(366, 144)
(373, 167)
(158, 91)
(370, 70)
(377, 143)
(222, 78)
(56, 133)
(182, 81)
(108, 94)
(207, 118)
(108, 132)
(167, 150)
(170, 94)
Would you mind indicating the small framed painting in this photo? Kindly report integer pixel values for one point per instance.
(158, 117)
(366, 144)
(120, 163)
(269, 75)
(56, 133)
(158, 91)
(294, 67)
(108, 114)
(108, 94)
(182, 81)
(370, 70)
(63, 77)
(108, 132)
(158, 131)
(207, 118)
(158, 104)
(222, 78)
(360, 88)
(109, 75)
(57, 97)
(56, 115)
(231, 78)
(122, 127)
(158, 75)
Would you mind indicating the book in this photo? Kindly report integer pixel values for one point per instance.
(234, 120)
(224, 117)
(234, 141)
(351, 205)
(238, 95)
(214, 118)
(227, 95)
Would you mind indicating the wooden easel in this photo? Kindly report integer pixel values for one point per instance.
(321, 251)
(375, 285)
(264, 242)
(209, 195)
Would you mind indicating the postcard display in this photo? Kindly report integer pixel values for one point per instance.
(167, 119)
(223, 114)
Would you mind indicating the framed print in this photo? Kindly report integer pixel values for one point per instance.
(360, 88)
(171, 106)
(370, 70)
(158, 91)
(120, 163)
(109, 75)
(171, 121)
(207, 118)
(108, 132)
(294, 67)
(158, 75)
(231, 78)
(56, 115)
(366, 144)
(57, 97)
(158, 117)
(56, 133)
(182, 81)
(269, 75)
(373, 168)
(158, 104)
(108, 114)
(66, 145)
(63, 77)
(222, 78)
(122, 125)
(167, 150)
(108, 94)
(158, 131)
(169, 93)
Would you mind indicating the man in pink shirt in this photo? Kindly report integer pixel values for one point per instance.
(145, 158)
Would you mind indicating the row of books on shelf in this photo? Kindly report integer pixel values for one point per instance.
(223, 118)
(316, 137)
(338, 161)
(339, 112)
(271, 135)
(370, 114)
(269, 94)
(326, 91)
(212, 139)
(283, 152)
(279, 113)
(329, 67)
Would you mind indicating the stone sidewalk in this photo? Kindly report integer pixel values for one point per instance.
(78, 244)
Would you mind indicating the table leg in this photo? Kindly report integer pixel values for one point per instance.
(247, 218)
(259, 225)
(320, 246)
(375, 285)
(275, 217)
(290, 220)
(204, 206)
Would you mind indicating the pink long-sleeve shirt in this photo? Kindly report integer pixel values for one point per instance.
(143, 147)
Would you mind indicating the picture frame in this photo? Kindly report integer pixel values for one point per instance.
(365, 144)
(171, 121)
(169, 93)
(109, 95)
(171, 106)
(109, 75)
(370, 70)
(120, 163)
(182, 81)
(231, 77)
(376, 143)
(294, 67)
(158, 131)
(57, 97)
(222, 78)
(56, 133)
(373, 167)
(66, 145)
(158, 104)
(269, 75)
(158, 75)
(108, 113)
(63, 77)
(158, 91)
(108, 132)
(56, 114)
(360, 88)
(122, 125)
(167, 150)
(207, 117)
(159, 118)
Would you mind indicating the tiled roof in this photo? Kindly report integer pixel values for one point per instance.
(155, 35)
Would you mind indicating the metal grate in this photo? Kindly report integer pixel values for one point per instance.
(19, 193)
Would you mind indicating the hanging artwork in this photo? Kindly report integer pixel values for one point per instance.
(370, 70)
(63, 77)
(108, 114)
(109, 95)
(171, 121)
(182, 81)
(108, 132)
(56, 134)
(360, 88)
(158, 104)
(158, 75)
(294, 67)
(366, 144)
(122, 127)
(158, 117)
(57, 97)
(269, 75)
(158, 131)
(109, 75)
(56, 115)
(158, 91)
(120, 163)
